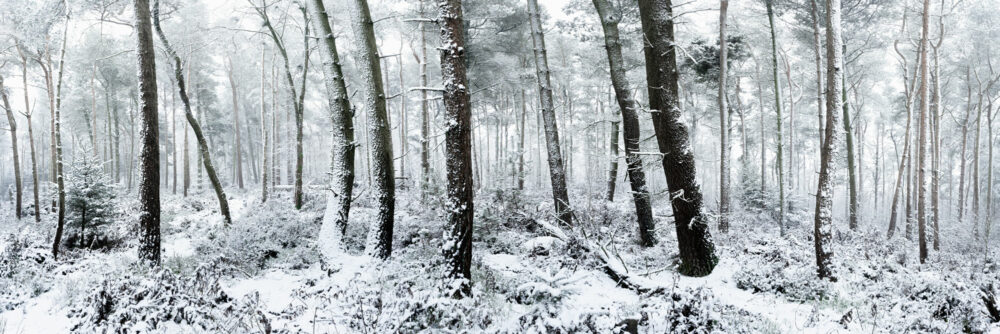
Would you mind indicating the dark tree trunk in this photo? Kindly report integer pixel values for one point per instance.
(342, 145)
(610, 17)
(380, 147)
(697, 253)
(203, 146)
(149, 157)
(458, 119)
(823, 227)
(557, 171)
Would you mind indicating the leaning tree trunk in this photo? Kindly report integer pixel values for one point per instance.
(823, 227)
(199, 135)
(12, 127)
(697, 253)
(379, 242)
(610, 17)
(338, 204)
(922, 137)
(458, 149)
(149, 157)
(777, 109)
(557, 171)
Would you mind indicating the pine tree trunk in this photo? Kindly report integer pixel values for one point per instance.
(697, 253)
(777, 109)
(458, 119)
(203, 145)
(823, 228)
(613, 169)
(238, 143)
(922, 140)
(60, 182)
(380, 147)
(724, 169)
(342, 144)
(965, 143)
(852, 184)
(520, 143)
(12, 127)
(817, 51)
(610, 17)
(263, 132)
(149, 157)
(425, 125)
(557, 172)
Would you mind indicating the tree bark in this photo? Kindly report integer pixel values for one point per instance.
(610, 17)
(57, 119)
(12, 127)
(342, 142)
(557, 172)
(458, 239)
(777, 109)
(823, 227)
(697, 253)
(922, 140)
(380, 147)
(203, 146)
(817, 51)
(238, 145)
(724, 172)
(263, 133)
(149, 157)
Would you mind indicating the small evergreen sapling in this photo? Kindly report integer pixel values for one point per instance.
(90, 203)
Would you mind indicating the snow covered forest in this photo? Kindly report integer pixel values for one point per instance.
(499, 166)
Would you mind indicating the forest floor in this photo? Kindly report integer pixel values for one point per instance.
(264, 274)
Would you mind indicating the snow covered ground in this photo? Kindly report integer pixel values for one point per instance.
(265, 275)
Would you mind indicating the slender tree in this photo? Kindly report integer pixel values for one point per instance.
(12, 127)
(777, 109)
(557, 172)
(203, 146)
(610, 17)
(57, 117)
(724, 172)
(922, 138)
(697, 252)
(823, 227)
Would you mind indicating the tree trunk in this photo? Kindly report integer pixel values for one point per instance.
(203, 146)
(777, 109)
(610, 17)
(852, 184)
(60, 180)
(613, 169)
(263, 132)
(697, 253)
(12, 127)
(425, 125)
(724, 172)
(238, 145)
(965, 143)
(922, 140)
(823, 228)
(817, 47)
(458, 239)
(557, 171)
(380, 147)
(342, 144)
(520, 143)
(149, 157)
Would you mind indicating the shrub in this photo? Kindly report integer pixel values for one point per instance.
(90, 205)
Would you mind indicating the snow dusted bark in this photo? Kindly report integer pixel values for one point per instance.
(817, 47)
(697, 253)
(965, 144)
(12, 127)
(922, 139)
(777, 109)
(425, 123)
(31, 135)
(238, 145)
(149, 157)
(457, 245)
(60, 182)
(206, 157)
(380, 147)
(724, 173)
(610, 17)
(338, 203)
(557, 171)
(823, 227)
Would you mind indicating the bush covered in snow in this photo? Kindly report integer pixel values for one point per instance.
(277, 233)
(780, 268)
(160, 300)
(23, 264)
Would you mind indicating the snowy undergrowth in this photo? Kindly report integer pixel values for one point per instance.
(264, 274)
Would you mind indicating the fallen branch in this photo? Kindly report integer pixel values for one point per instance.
(614, 270)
